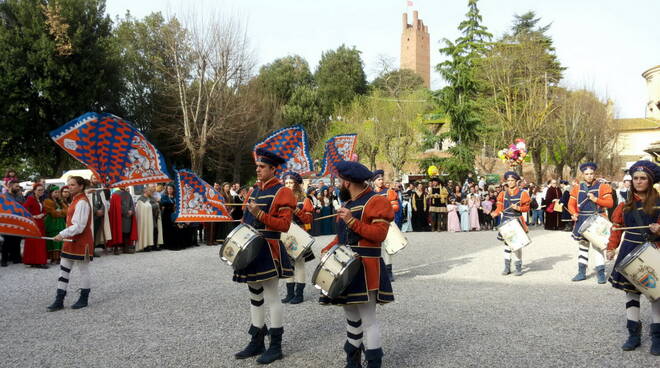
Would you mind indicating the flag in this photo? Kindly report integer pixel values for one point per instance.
(409, 3)
(15, 219)
(337, 148)
(114, 150)
(197, 201)
(291, 145)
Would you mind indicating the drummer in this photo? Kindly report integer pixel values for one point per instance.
(303, 215)
(272, 262)
(363, 223)
(639, 209)
(393, 197)
(512, 203)
(590, 197)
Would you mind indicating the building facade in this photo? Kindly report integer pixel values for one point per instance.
(415, 47)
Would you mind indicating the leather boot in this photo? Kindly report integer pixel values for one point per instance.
(390, 274)
(353, 355)
(634, 336)
(298, 297)
(600, 274)
(116, 250)
(655, 339)
(374, 358)
(256, 345)
(582, 273)
(518, 269)
(59, 301)
(82, 301)
(290, 286)
(507, 267)
(274, 351)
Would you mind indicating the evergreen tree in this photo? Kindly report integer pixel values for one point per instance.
(340, 77)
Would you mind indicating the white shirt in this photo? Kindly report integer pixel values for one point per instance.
(78, 221)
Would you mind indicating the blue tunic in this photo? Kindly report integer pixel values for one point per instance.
(586, 207)
(510, 213)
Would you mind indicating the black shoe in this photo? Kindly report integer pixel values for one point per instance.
(59, 301)
(274, 351)
(82, 301)
(353, 355)
(256, 345)
(634, 336)
(4, 264)
(298, 297)
(290, 286)
(374, 358)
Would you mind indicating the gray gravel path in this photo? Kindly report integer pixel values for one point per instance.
(453, 309)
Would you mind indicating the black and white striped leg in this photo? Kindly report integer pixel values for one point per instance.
(257, 313)
(632, 306)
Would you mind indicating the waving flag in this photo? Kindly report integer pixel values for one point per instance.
(291, 145)
(337, 148)
(15, 219)
(114, 150)
(197, 201)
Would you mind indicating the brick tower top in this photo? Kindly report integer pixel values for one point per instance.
(415, 47)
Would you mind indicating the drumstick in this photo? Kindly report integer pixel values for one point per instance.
(241, 204)
(630, 228)
(38, 237)
(325, 217)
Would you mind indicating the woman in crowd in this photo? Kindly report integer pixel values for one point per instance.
(456, 194)
(54, 222)
(453, 224)
(170, 229)
(325, 203)
(567, 222)
(34, 253)
(420, 213)
(474, 202)
(536, 194)
(150, 229)
(551, 203)
(225, 227)
(66, 195)
(486, 208)
(639, 209)
(9, 177)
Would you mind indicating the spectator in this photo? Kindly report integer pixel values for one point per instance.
(486, 208)
(537, 205)
(54, 222)
(9, 177)
(567, 222)
(456, 194)
(122, 222)
(11, 249)
(464, 211)
(482, 183)
(453, 224)
(34, 253)
(99, 200)
(552, 198)
(223, 228)
(66, 195)
(325, 209)
(622, 193)
(474, 202)
(420, 214)
(170, 230)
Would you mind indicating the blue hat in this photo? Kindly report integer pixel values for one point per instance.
(588, 165)
(353, 171)
(269, 158)
(650, 168)
(292, 175)
(511, 173)
(378, 174)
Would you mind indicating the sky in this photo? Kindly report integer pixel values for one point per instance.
(605, 44)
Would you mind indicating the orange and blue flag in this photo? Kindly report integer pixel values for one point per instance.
(337, 148)
(291, 145)
(15, 219)
(113, 149)
(197, 201)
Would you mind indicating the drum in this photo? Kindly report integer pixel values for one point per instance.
(395, 240)
(596, 229)
(513, 234)
(242, 246)
(641, 268)
(337, 268)
(296, 241)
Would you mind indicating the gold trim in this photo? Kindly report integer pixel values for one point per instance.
(380, 220)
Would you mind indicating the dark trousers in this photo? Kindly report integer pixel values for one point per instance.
(11, 249)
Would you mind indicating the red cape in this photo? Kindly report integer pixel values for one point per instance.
(116, 222)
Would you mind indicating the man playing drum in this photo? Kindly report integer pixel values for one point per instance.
(639, 209)
(512, 203)
(272, 218)
(590, 197)
(303, 215)
(380, 189)
(363, 224)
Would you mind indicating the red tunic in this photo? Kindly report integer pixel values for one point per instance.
(82, 246)
(306, 213)
(279, 215)
(35, 252)
(391, 196)
(524, 204)
(604, 198)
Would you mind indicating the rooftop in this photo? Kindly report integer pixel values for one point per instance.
(637, 124)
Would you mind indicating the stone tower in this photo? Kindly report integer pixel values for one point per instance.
(415, 44)
(652, 77)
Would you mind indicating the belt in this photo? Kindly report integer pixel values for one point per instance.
(270, 234)
(366, 251)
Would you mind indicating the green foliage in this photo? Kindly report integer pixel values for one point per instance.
(460, 98)
(397, 82)
(340, 77)
(305, 108)
(57, 61)
(284, 76)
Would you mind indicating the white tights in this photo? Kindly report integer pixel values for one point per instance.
(632, 308)
(362, 325)
(66, 266)
(299, 275)
(265, 291)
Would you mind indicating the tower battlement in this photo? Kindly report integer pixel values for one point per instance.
(415, 47)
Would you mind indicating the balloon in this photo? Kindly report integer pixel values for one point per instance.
(433, 171)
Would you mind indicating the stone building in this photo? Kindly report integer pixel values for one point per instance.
(415, 48)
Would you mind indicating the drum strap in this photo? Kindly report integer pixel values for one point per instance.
(270, 234)
(646, 233)
(366, 251)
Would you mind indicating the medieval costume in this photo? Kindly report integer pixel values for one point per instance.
(34, 252)
(393, 198)
(552, 215)
(122, 222)
(150, 227)
(55, 222)
(420, 214)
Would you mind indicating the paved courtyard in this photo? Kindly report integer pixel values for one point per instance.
(452, 309)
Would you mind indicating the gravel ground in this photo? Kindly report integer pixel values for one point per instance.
(452, 309)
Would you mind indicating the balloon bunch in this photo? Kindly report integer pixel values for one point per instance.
(515, 153)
